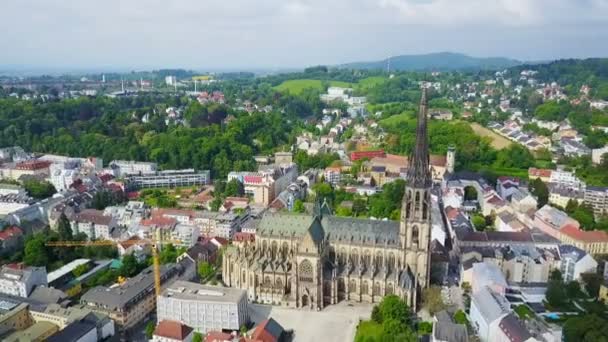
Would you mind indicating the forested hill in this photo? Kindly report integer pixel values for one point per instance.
(442, 61)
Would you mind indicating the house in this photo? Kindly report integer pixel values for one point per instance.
(488, 275)
(487, 309)
(574, 148)
(333, 175)
(561, 195)
(94, 224)
(522, 201)
(204, 251)
(543, 174)
(508, 222)
(510, 329)
(551, 220)
(598, 155)
(172, 331)
(574, 262)
(506, 186)
(269, 331)
(594, 242)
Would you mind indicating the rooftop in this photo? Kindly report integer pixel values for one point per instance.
(186, 290)
(65, 269)
(173, 330)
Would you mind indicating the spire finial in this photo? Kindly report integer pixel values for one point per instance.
(419, 174)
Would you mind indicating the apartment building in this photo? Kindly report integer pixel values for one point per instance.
(123, 168)
(94, 223)
(168, 179)
(597, 198)
(130, 302)
(19, 281)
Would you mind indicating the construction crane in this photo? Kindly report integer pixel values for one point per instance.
(155, 244)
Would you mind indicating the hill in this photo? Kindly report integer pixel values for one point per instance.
(441, 61)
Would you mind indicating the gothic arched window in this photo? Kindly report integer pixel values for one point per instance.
(415, 234)
(278, 284)
(306, 271)
(376, 289)
(364, 287)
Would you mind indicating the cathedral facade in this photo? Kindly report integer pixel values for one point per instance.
(311, 261)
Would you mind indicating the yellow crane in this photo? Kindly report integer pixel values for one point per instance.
(155, 244)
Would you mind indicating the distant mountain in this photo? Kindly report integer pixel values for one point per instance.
(441, 61)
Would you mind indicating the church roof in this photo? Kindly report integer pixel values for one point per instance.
(296, 225)
(361, 231)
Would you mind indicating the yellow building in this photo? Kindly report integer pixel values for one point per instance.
(37, 332)
(603, 296)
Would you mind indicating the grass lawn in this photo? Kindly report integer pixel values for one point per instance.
(395, 120)
(523, 311)
(370, 82)
(498, 142)
(368, 329)
(297, 86)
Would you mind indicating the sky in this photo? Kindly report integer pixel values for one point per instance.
(250, 34)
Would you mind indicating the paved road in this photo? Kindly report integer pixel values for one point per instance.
(335, 323)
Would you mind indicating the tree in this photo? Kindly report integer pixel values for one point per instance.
(586, 328)
(150, 329)
(394, 308)
(592, 283)
(298, 206)
(324, 191)
(36, 253)
(425, 328)
(460, 317)
(80, 270)
(197, 337)
(39, 189)
(433, 300)
(344, 212)
(64, 228)
(470, 193)
(205, 270)
(130, 266)
(234, 188)
(539, 189)
(479, 222)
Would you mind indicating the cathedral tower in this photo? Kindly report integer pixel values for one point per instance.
(415, 227)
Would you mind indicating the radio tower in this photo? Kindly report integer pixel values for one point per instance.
(388, 65)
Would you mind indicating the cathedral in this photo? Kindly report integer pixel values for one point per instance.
(311, 261)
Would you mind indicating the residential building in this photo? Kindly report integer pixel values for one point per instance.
(522, 201)
(269, 331)
(574, 262)
(263, 186)
(543, 174)
(594, 242)
(487, 309)
(31, 167)
(172, 331)
(574, 148)
(333, 175)
(204, 308)
(18, 280)
(597, 198)
(11, 189)
(10, 203)
(94, 224)
(132, 301)
(170, 80)
(598, 155)
(186, 234)
(506, 186)
(551, 220)
(356, 155)
(508, 222)
(64, 317)
(488, 275)
(510, 329)
(123, 168)
(565, 179)
(14, 315)
(168, 179)
(561, 195)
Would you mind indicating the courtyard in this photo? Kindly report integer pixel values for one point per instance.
(334, 323)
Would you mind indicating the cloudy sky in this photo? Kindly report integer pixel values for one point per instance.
(208, 34)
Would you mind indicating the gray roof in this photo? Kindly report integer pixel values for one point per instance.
(491, 305)
(361, 231)
(73, 332)
(443, 316)
(186, 290)
(123, 295)
(514, 329)
(447, 331)
(569, 250)
(296, 225)
(47, 295)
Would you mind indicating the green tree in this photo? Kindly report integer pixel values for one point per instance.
(234, 188)
(539, 189)
(39, 189)
(479, 222)
(205, 270)
(460, 317)
(344, 212)
(130, 266)
(433, 300)
(197, 337)
(80, 270)
(35, 252)
(64, 228)
(298, 206)
(586, 328)
(150, 329)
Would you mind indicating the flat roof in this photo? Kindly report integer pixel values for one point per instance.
(193, 291)
(65, 269)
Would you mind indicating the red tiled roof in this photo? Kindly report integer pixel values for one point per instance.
(10, 233)
(159, 221)
(237, 199)
(356, 155)
(33, 165)
(397, 160)
(106, 177)
(584, 236)
(503, 179)
(162, 212)
(539, 173)
(172, 329)
(451, 213)
(94, 216)
(218, 336)
(220, 240)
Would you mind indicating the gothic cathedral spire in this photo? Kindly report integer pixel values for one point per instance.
(415, 225)
(419, 173)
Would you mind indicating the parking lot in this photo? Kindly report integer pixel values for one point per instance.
(335, 323)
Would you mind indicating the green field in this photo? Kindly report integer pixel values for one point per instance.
(297, 86)
(395, 120)
(370, 82)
